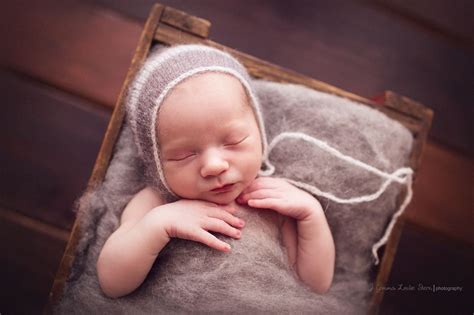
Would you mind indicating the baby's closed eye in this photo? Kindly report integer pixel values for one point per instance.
(180, 156)
(235, 140)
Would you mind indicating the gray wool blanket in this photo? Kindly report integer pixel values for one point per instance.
(255, 276)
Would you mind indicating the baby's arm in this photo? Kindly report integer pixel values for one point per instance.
(310, 249)
(130, 251)
(305, 230)
(147, 224)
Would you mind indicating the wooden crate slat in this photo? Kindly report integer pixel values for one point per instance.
(188, 23)
(72, 45)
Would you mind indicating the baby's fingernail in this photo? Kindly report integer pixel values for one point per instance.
(241, 222)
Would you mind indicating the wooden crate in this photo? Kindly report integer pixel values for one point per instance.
(169, 26)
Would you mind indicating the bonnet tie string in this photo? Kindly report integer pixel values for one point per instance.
(402, 175)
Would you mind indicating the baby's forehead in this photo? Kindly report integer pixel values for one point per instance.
(204, 88)
(209, 82)
(204, 100)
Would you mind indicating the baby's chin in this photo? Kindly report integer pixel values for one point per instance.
(222, 199)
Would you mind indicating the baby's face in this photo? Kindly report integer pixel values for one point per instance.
(209, 139)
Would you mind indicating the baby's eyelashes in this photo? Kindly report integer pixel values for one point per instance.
(236, 142)
(181, 157)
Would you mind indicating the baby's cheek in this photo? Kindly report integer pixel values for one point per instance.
(180, 181)
(252, 164)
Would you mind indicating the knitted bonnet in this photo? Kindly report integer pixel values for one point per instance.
(163, 70)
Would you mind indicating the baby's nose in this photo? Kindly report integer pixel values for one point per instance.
(213, 165)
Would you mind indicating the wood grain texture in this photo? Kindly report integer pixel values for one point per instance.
(72, 46)
(443, 198)
(48, 144)
(426, 259)
(185, 22)
(452, 19)
(29, 259)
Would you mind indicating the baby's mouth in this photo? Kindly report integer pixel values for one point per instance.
(225, 188)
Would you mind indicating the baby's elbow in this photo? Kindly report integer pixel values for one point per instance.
(106, 282)
(109, 289)
(319, 283)
(109, 292)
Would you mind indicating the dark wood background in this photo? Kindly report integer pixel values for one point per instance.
(63, 63)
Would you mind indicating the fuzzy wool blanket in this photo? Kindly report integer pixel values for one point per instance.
(255, 277)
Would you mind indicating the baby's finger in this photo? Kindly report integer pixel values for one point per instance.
(210, 240)
(267, 203)
(226, 216)
(211, 205)
(229, 209)
(222, 227)
(259, 194)
(260, 183)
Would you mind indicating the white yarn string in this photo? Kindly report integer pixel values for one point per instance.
(326, 147)
(402, 175)
(395, 216)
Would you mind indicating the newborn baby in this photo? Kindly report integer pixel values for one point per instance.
(200, 133)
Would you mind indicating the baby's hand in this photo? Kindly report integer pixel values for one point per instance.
(279, 195)
(193, 219)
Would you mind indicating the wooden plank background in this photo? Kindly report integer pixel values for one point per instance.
(65, 61)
